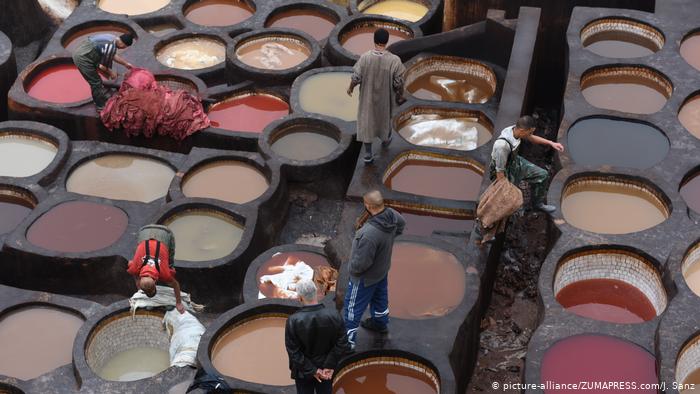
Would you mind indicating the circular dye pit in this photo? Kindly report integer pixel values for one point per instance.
(425, 222)
(688, 367)
(254, 351)
(125, 348)
(122, 177)
(612, 206)
(689, 115)
(636, 90)
(435, 176)
(443, 78)
(78, 227)
(278, 276)
(400, 9)
(58, 84)
(72, 41)
(324, 93)
(424, 282)
(446, 130)
(249, 112)
(303, 143)
(621, 38)
(273, 52)
(162, 30)
(36, 340)
(691, 269)
(690, 192)
(204, 235)
(386, 375)
(597, 358)
(226, 180)
(192, 53)
(218, 12)
(22, 155)
(131, 7)
(14, 207)
(618, 143)
(690, 50)
(359, 38)
(314, 22)
(610, 285)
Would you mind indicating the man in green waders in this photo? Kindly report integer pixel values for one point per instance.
(95, 55)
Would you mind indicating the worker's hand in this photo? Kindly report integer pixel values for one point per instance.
(350, 91)
(559, 147)
(319, 374)
(180, 308)
(500, 175)
(129, 66)
(327, 374)
(113, 75)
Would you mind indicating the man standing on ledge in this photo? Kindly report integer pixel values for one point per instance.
(95, 55)
(506, 162)
(377, 72)
(370, 260)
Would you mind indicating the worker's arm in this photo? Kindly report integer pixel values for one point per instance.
(122, 61)
(543, 141)
(398, 81)
(352, 86)
(178, 298)
(111, 74)
(356, 77)
(499, 156)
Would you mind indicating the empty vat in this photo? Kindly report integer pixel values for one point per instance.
(424, 282)
(611, 285)
(386, 374)
(248, 112)
(253, 351)
(218, 12)
(227, 180)
(612, 205)
(131, 7)
(690, 49)
(273, 51)
(75, 38)
(24, 155)
(446, 129)
(400, 9)
(435, 176)
(325, 93)
(36, 340)
(633, 89)
(689, 115)
(691, 268)
(316, 22)
(598, 358)
(59, 83)
(621, 38)
(690, 191)
(688, 367)
(15, 205)
(616, 142)
(358, 37)
(122, 177)
(204, 235)
(192, 53)
(448, 78)
(278, 276)
(78, 227)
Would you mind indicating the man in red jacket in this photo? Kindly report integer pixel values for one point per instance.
(151, 263)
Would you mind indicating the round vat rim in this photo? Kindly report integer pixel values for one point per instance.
(43, 63)
(635, 23)
(144, 15)
(20, 192)
(651, 74)
(685, 345)
(181, 35)
(252, 4)
(71, 31)
(243, 92)
(695, 95)
(326, 8)
(432, 5)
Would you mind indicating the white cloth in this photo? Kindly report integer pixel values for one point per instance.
(165, 296)
(185, 332)
(501, 150)
(286, 281)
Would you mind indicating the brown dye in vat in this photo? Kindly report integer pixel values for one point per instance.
(690, 191)
(218, 12)
(78, 226)
(690, 50)
(448, 180)
(630, 94)
(75, 39)
(619, 45)
(131, 7)
(12, 211)
(463, 133)
(689, 116)
(361, 39)
(384, 379)
(36, 340)
(304, 145)
(692, 382)
(254, 352)
(424, 282)
(287, 262)
(609, 300)
(324, 93)
(315, 23)
(450, 86)
(231, 181)
(273, 54)
(691, 274)
(425, 224)
(162, 30)
(192, 53)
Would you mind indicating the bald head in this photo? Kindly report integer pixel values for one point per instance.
(374, 202)
(148, 285)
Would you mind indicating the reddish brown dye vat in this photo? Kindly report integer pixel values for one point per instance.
(250, 113)
(12, 212)
(690, 191)
(60, 84)
(270, 267)
(218, 12)
(78, 226)
(77, 38)
(361, 40)
(597, 358)
(384, 379)
(317, 24)
(425, 224)
(436, 179)
(608, 300)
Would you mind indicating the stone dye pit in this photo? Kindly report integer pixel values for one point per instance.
(444, 78)
(302, 141)
(131, 7)
(386, 375)
(689, 115)
(426, 222)
(218, 12)
(122, 177)
(315, 22)
(273, 275)
(36, 339)
(621, 38)
(687, 366)
(206, 181)
(125, 348)
(15, 205)
(690, 191)
(400, 9)
(435, 176)
(612, 206)
(610, 285)
(690, 50)
(359, 37)
(446, 129)
(192, 53)
(324, 93)
(247, 112)
(691, 269)
(633, 89)
(78, 227)
(204, 235)
(23, 155)
(273, 52)
(616, 142)
(73, 40)
(59, 84)
(254, 351)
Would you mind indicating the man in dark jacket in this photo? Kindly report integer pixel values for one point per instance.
(315, 340)
(370, 260)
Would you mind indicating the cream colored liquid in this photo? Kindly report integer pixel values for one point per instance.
(273, 55)
(122, 177)
(325, 94)
(192, 54)
(448, 133)
(399, 9)
(692, 277)
(22, 156)
(304, 145)
(204, 235)
(231, 181)
(689, 116)
(131, 7)
(134, 364)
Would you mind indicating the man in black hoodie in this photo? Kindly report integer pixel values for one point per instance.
(370, 260)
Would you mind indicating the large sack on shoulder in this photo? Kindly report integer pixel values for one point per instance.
(500, 200)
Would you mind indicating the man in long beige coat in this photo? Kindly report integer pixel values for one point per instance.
(378, 72)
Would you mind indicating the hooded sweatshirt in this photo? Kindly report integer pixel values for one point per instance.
(370, 258)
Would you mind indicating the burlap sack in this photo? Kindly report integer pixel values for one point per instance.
(500, 200)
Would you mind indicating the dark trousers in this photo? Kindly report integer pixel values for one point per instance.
(357, 297)
(87, 59)
(313, 386)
